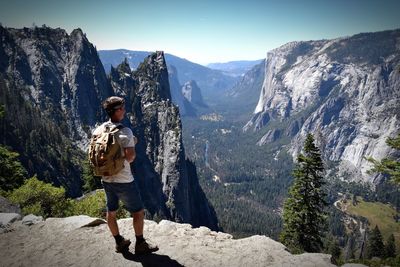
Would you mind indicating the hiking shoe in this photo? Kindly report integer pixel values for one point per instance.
(145, 248)
(123, 245)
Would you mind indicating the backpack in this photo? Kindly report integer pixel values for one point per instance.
(105, 152)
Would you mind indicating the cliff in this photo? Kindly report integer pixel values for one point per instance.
(345, 91)
(51, 84)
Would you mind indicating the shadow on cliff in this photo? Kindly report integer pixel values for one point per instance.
(152, 260)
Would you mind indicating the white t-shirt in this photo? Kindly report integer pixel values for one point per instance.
(125, 139)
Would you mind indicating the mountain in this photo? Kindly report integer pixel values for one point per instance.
(345, 91)
(211, 82)
(235, 68)
(52, 85)
(192, 93)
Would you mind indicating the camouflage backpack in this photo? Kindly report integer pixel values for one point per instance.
(105, 152)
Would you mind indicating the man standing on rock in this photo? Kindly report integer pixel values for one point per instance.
(121, 186)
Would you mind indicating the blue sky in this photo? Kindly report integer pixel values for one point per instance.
(205, 31)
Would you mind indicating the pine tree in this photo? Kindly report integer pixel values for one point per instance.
(333, 248)
(375, 244)
(303, 215)
(388, 165)
(390, 247)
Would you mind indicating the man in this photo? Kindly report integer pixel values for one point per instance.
(121, 186)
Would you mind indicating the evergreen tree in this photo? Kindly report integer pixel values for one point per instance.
(333, 248)
(388, 165)
(375, 244)
(303, 215)
(390, 247)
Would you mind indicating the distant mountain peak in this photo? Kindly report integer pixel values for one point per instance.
(192, 93)
(235, 68)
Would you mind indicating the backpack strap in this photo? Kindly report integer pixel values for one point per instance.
(113, 128)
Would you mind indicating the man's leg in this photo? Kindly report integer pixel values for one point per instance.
(112, 222)
(134, 204)
(122, 243)
(141, 246)
(138, 222)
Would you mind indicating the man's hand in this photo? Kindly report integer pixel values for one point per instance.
(130, 154)
(135, 140)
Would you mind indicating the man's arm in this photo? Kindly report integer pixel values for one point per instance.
(130, 154)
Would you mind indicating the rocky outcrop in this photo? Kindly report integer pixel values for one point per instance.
(346, 91)
(75, 241)
(7, 207)
(269, 137)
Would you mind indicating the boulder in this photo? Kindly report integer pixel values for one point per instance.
(8, 218)
(7, 207)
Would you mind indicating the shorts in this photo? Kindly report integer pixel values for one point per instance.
(126, 192)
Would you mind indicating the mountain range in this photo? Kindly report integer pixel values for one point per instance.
(211, 82)
(235, 68)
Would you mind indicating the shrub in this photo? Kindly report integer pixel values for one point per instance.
(41, 198)
(94, 205)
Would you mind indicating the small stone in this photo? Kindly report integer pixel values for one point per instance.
(31, 219)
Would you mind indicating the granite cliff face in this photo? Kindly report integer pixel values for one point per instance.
(52, 85)
(346, 91)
